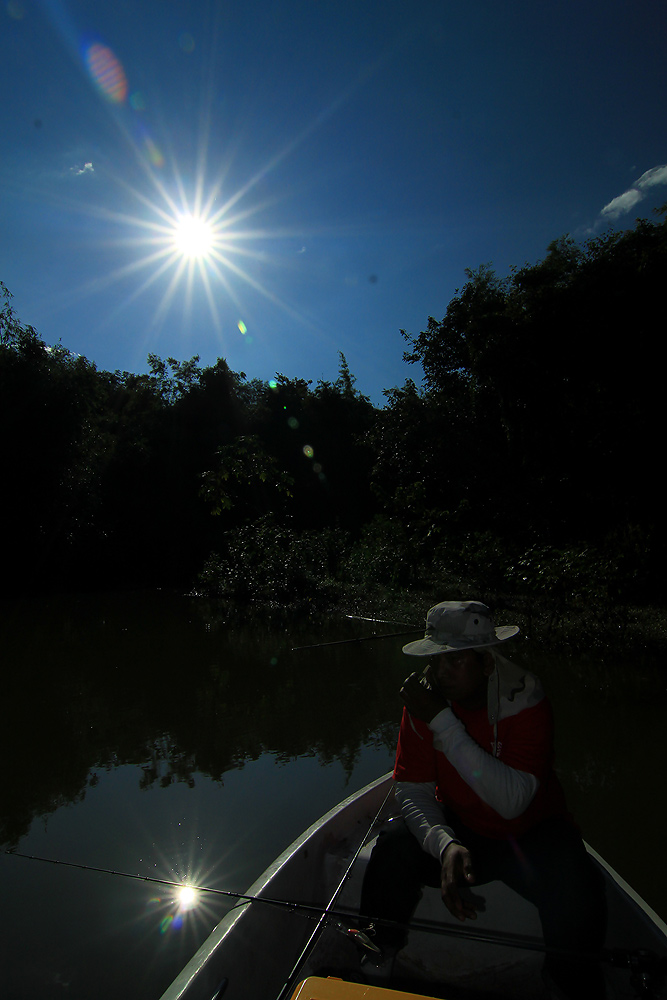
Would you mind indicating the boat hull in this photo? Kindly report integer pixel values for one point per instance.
(253, 951)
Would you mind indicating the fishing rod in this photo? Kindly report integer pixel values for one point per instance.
(314, 937)
(643, 964)
(309, 909)
(363, 638)
(243, 897)
(414, 630)
(381, 621)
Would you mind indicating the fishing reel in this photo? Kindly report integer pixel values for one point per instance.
(647, 970)
(362, 938)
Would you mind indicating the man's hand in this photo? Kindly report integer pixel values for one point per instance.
(420, 698)
(457, 871)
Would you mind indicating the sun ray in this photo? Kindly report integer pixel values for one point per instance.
(208, 291)
(180, 238)
(168, 295)
(164, 197)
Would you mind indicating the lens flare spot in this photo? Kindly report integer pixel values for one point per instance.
(308, 451)
(242, 327)
(154, 154)
(186, 42)
(107, 72)
(138, 101)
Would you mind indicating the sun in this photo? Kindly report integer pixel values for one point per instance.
(196, 245)
(193, 237)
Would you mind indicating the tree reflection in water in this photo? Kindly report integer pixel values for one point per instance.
(160, 682)
(148, 733)
(152, 734)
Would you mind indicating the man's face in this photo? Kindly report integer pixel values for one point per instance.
(462, 676)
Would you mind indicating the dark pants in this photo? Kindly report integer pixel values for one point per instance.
(549, 866)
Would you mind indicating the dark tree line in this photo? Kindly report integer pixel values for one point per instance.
(530, 458)
(552, 384)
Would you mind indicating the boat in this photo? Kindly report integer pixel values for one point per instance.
(293, 935)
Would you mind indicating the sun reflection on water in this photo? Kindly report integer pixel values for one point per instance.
(186, 905)
(188, 897)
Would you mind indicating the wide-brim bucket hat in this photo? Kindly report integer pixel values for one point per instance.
(454, 625)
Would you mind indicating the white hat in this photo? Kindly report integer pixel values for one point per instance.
(459, 625)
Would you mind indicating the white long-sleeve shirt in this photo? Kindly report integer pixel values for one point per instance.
(505, 789)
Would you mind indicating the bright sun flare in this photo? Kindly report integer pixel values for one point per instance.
(193, 237)
(187, 897)
(198, 247)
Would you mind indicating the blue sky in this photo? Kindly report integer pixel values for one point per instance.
(344, 160)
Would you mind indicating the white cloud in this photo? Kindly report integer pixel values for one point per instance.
(87, 168)
(656, 175)
(624, 202)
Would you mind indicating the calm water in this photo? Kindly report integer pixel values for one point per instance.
(147, 734)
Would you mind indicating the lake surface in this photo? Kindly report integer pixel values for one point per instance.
(152, 735)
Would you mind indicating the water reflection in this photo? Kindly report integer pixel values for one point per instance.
(165, 686)
(147, 734)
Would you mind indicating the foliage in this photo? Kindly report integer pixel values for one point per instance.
(268, 562)
(526, 464)
(382, 555)
(244, 468)
(551, 365)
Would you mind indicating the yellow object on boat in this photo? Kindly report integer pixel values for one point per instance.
(317, 988)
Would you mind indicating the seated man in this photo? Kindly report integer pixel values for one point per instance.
(480, 799)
